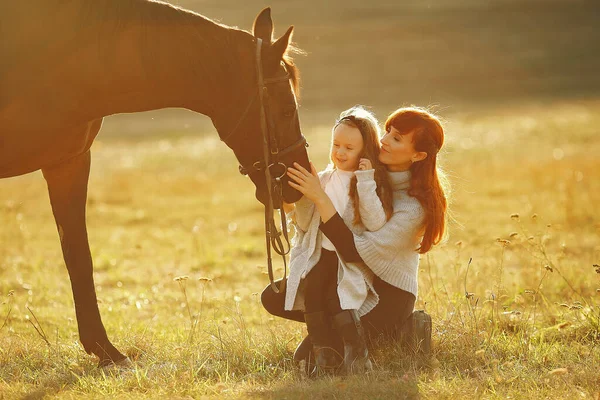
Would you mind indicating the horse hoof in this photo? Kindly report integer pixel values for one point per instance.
(109, 365)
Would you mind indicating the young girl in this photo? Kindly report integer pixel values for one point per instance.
(320, 283)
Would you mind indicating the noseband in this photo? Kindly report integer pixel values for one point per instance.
(271, 160)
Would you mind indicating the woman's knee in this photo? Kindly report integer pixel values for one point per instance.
(271, 301)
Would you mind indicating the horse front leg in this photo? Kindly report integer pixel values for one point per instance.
(67, 186)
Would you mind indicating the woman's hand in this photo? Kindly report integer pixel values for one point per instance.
(309, 184)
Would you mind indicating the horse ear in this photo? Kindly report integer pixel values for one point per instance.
(280, 46)
(263, 25)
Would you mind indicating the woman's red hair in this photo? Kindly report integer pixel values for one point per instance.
(425, 185)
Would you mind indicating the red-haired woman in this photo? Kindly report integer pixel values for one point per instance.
(409, 148)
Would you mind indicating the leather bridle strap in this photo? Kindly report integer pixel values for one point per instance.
(261, 164)
(271, 158)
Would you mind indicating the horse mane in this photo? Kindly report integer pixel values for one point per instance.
(292, 69)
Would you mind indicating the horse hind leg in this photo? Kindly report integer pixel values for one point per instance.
(67, 186)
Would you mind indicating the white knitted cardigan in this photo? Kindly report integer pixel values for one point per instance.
(355, 280)
(391, 252)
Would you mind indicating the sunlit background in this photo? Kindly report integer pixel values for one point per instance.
(457, 54)
(177, 236)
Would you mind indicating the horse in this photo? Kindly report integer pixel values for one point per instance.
(67, 64)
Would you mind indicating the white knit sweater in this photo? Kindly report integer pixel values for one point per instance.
(355, 281)
(391, 252)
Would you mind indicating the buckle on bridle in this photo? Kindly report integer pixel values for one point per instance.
(280, 176)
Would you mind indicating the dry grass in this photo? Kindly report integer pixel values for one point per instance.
(526, 187)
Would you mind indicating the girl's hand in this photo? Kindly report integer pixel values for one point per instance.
(309, 184)
(365, 164)
(305, 182)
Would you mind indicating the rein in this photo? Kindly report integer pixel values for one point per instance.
(270, 159)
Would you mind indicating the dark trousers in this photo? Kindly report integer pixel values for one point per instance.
(320, 285)
(394, 308)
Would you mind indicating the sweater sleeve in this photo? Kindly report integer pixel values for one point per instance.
(399, 235)
(302, 214)
(371, 210)
(342, 238)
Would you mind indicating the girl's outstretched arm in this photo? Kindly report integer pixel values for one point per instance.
(309, 184)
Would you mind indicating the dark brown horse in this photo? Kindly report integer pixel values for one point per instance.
(66, 64)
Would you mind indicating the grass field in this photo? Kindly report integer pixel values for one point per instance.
(177, 236)
(173, 205)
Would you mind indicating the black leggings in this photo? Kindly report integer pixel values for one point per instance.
(394, 308)
(320, 285)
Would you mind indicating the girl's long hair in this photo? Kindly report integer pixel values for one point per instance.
(427, 182)
(368, 126)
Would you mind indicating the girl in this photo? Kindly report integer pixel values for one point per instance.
(320, 284)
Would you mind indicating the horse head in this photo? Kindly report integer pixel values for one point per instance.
(264, 130)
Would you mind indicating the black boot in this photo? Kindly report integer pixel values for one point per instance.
(319, 329)
(356, 355)
(303, 350)
(415, 333)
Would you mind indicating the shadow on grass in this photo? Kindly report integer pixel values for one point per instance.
(376, 386)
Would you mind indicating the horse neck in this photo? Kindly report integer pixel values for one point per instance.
(166, 57)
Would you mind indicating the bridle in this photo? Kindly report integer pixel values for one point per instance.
(271, 159)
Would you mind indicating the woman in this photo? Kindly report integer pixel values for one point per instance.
(409, 148)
